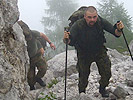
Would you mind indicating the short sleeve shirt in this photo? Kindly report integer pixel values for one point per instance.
(34, 45)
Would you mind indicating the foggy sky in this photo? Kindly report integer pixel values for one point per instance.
(32, 11)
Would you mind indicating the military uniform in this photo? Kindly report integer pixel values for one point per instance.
(36, 59)
(89, 43)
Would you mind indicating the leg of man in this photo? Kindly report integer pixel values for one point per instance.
(83, 66)
(104, 67)
(31, 77)
(42, 68)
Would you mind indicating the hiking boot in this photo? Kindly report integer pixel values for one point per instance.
(40, 81)
(103, 92)
(81, 90)
(32, 87)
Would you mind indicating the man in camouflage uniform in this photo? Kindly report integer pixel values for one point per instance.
(35, 52)
(87, 36)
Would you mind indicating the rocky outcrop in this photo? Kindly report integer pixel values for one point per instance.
(13, 54)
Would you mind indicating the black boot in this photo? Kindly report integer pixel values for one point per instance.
(82, 91)
(40, 81)
(103, 92)
(32, 87)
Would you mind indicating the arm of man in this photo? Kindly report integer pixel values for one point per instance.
(72, 35)
(47, 39)
(115, 30)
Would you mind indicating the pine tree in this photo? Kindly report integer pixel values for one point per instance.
(113, 12)
(57, 14)
(55, 20)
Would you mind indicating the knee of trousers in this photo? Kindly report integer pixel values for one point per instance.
(31, 79)
(31, 74)
(42, 69)
(41, 72)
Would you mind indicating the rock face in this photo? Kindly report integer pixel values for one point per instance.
(131, 46)
(13, 54)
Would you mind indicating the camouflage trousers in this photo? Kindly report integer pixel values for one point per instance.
(83, 66)
(41, 65)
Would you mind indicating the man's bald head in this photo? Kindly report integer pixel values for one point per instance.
(91, 9)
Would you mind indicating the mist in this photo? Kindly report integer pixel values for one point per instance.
(32, 11)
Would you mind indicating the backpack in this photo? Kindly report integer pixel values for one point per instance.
(77, 15)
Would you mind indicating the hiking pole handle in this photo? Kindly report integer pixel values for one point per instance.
(67, 30)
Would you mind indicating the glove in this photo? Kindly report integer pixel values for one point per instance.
(66, 36)
(119, 26)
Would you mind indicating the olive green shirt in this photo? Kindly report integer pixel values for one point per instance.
(33, 45)
(89, 39)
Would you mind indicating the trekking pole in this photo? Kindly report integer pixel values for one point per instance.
(126, 42)
(66, 68)
(127, 45)
(66, 40)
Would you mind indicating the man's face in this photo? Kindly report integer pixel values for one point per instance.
(91, 18)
